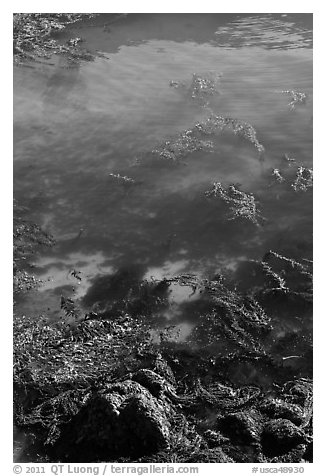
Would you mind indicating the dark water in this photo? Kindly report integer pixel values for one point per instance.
(76, 125)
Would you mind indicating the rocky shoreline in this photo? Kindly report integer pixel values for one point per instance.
(146, 415)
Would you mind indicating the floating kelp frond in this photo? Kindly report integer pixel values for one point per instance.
(304, 179)
(33, 31)
(69, 307)
(286, 275)
(23, 281)
(123, 178)
(300, 179)
(238, 127)
(202, 87)
(182, 145)
(177, 84)
(27, 237)
(243, 205)
(303, 268)
(238, 318)
(288, 159)
(246, 306)
(54, 412)
(277, 176)
(191, 140)
(296, 96)
(47, 354)
(277, 283)
(74, 41)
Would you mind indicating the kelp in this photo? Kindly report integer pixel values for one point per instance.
(126, 292)
(202, 87)
(277, 176)
(242, 205)
(288, 159)
(236, 317)
(286, 276)
(53, 357)
(51, 414)
(122, 178)
(238, 127)
(299, 179)
(23, 281)
(179, 147)
(27, 237)
(34, 35)
(125, 182)
(58, 369)
(303, 180)
(297, 97)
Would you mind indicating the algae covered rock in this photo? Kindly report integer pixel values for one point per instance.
(280, 436)
(277, 408)
(145, 424)
(123, 419)
(151, 380)
(214, 438)
(294, 404)
(243, 427)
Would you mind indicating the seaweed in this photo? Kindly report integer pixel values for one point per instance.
(288, 159)
(103, 348)
(27, 238)
(286, 276)
(303, 180)
(236, 317)
(122, 178)
(125, 182)
(277, 176)
(24, 281)
(34, 36)
(297, 97)
(242, 205)
(53, 358)
(181, 146)
(201, 88)
(194, 139)
(238, 127)
(58, 373)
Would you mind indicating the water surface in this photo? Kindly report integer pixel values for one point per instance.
(74, 125)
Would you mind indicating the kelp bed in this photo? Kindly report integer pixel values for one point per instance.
(34, 36)
(95, 386)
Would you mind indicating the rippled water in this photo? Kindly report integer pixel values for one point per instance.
(76, 125)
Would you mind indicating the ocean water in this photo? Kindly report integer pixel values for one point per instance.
(80, 128)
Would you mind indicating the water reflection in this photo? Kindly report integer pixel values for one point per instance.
(77, 128)
(282, 31)
(64, 89)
